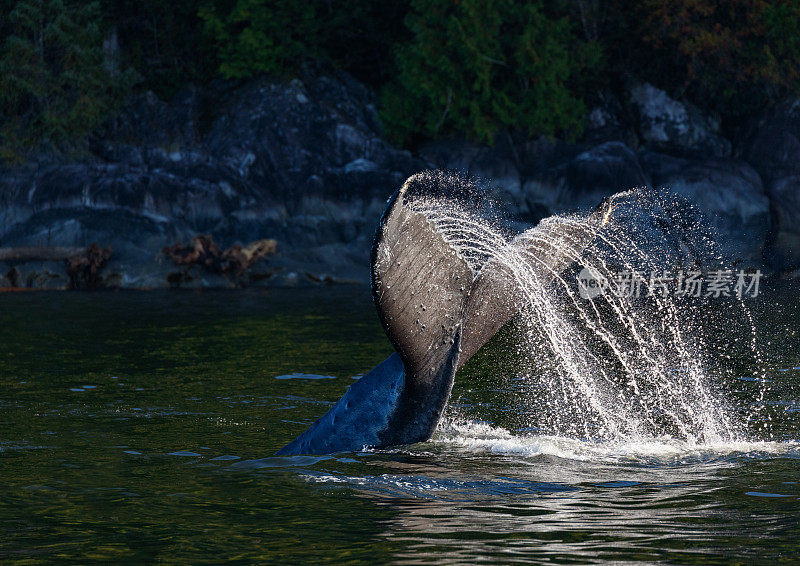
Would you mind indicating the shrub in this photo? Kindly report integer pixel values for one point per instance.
(730, 56)
(54, 85)
(278, 36)
(261, 36)
(477, 67)
(162, 41)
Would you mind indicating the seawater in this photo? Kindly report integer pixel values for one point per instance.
(141, 426)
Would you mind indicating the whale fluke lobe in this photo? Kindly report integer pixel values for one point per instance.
(356, 420)
(547, 250)
(419, 285)
(439, 299)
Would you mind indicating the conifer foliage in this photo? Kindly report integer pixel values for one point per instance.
(477, 67)
(55, 85)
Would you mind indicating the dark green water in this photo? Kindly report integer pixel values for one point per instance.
(139, 427)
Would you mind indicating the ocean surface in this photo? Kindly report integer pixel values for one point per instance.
(141, 426)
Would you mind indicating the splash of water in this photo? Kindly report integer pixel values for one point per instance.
(607, 367)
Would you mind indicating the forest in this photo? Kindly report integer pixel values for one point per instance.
(472, 68)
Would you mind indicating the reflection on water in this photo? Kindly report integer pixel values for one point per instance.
(141, 426)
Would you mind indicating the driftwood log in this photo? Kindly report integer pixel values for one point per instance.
(202, 252)
(84, 267)
(23, 254)
(83, 264)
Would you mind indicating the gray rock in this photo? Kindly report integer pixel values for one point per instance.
(147, 122)
(728, 192)
(774, 151)
(541, 177)
(774, 147)
(303, 163)
(583, 181)
(782, 249)
(282, 136)
(607, 122)
(671, 126)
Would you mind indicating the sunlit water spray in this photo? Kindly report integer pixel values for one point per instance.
(632, 368)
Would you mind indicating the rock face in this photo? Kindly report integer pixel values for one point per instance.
(583, 181)
(305, 163)
(782, 249)
(556, 178)
(301, 163)
(774, 151)
(541, 177)
(674, 127)
(729, 193)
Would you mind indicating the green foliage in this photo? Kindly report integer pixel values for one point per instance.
(262, 36)
(360, 36)
(54, 85)
(278, 36)
(730, 56)
(469, 67)
(781, 43)
(477, 67)
(162, 41)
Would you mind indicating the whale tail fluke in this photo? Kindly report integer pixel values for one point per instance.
(423, 284)
(547, 250)
(438, 306)
(419, 285)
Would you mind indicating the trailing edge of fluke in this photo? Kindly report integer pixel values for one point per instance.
(437, 312)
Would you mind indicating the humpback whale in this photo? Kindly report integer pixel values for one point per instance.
(437, 311)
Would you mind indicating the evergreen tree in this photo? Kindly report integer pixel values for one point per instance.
(262, 36)
(477, 67)
(278, 36)
(163, 42)
(54, 85)
(730, 57)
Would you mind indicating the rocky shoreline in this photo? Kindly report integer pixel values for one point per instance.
(305, 163)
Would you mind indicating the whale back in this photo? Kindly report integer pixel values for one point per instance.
(362, 417)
